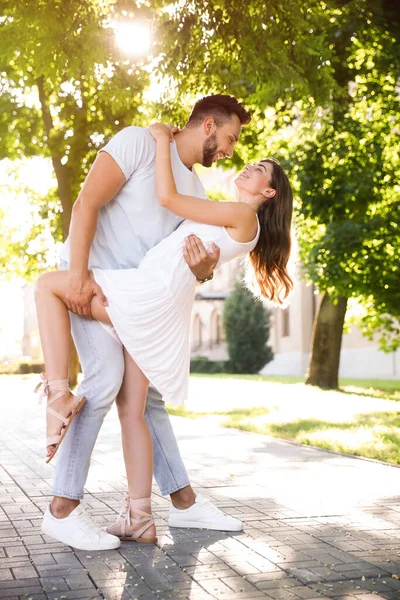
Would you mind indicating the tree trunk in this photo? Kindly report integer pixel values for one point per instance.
(62, 173)
(74, 367)
(326, 343)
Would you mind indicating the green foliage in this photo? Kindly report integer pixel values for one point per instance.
(247, 327)
(65, 89)
(348, 171)
(320, 78)
(30, 224)
(260, 51)
(265, 54)
(202, 364)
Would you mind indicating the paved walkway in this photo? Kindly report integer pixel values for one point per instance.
(317, 525)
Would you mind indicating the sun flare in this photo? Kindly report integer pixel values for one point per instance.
(133, 37)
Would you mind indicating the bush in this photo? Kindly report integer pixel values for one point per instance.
(247, 327)
(202, 364)
(21, 368)
(31, 367)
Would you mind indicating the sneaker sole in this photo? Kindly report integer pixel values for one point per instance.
(139, 540)
(70, 542)
(196, 525)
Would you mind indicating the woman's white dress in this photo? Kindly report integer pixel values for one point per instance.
(150, 307)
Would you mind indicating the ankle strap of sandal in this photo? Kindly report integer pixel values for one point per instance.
(144, 518)
(57, 385)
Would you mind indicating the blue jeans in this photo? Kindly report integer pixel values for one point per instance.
(102, 362)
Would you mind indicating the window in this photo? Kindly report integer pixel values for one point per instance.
(216, 333)
(197, 333)
(285, 323)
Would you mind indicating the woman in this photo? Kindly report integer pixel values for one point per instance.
(149, 308)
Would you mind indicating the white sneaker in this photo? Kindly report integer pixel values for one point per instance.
(203, 515)
(79, 531)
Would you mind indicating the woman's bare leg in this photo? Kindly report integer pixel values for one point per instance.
(55, 336)
(136, 437)
(54, 323)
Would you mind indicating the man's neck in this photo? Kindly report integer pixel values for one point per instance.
(186, 145)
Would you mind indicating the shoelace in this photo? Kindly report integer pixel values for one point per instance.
(87, 524)
(211, 508)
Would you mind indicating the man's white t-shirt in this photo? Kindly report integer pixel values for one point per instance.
(133, 222)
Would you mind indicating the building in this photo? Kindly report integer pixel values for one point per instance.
(207, 334)
(291, 333)
(31, 341)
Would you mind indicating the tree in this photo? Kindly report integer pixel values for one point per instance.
(247, 327)
(313, 73)
(348, 169)
(259, 51)
(65, 88)
(341, 146)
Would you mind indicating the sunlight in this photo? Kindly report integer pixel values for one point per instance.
(132, 37)
(35, 173)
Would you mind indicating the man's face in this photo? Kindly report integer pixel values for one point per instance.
(221, 142)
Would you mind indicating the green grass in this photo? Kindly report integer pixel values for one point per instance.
(389, 385)
(236, 414)
(272, 378)
(363, 432)
(387, 389)
(374, 435)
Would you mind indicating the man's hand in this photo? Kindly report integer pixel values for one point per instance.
(199, 261)
(80, 292)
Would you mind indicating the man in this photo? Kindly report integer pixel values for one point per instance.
(115, 221)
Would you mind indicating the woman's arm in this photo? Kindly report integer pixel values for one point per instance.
(228, 214)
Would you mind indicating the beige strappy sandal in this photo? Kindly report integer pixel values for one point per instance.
(141, 521)
(53, 390)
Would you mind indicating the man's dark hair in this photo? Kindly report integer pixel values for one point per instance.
(221, 107)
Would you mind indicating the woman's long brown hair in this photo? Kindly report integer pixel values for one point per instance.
(269, 259)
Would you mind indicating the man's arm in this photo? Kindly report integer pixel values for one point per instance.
(103, 182)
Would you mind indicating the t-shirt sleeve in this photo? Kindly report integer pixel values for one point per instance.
(130, 148)
(200, 191)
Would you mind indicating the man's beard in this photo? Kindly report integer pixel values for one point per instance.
(210, 147)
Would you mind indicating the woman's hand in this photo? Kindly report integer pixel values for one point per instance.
(160, 131)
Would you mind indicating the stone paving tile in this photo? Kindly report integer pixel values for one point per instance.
(6, 574)
(288, 550)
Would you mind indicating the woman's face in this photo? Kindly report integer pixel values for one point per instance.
(255, 179)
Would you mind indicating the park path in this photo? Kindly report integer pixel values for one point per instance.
(317, 524)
